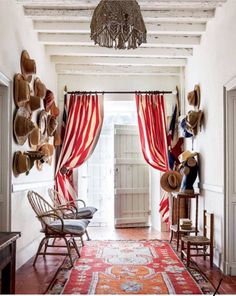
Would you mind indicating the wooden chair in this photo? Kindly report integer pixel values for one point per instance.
(70, 209)
(200, 244)
(54, 226)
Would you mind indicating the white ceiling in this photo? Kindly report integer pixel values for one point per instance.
(174, 29)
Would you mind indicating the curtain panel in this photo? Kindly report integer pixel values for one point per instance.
(83, 127)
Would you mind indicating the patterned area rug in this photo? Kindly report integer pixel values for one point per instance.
(128, 267)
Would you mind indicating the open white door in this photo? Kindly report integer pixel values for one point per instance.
(131, 179)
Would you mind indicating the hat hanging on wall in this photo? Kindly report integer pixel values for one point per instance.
(194, 121)
(39, 88)
(52, 124)
(48, 100)
(28, 65)
(21, 90)
(21, 163)
(182, 128)
(194, 97)
(22, 125)
(171, 181)
(47, 150)
(34, 103)
(186, 155)
(42, 124)
(54, 110)
(34, 138)
(57, 139)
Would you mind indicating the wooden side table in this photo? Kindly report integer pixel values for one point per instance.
(8, 261)
(176, 227)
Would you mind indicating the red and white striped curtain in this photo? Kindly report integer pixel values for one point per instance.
(83, 127)
(152, 129)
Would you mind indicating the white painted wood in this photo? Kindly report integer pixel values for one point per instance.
(99, 51)
(152, 28)
(230, 181)
(32, 185)
(152, 40)
(131, 179)
(148, 15)
(213, 188)
(121, 61)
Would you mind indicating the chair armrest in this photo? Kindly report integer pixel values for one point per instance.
(67, 210)
(52, 215)
(82, 201)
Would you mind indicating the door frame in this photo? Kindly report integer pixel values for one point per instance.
(5, 82)
(227, 267)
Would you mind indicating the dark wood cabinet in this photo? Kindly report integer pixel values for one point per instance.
(8, 261)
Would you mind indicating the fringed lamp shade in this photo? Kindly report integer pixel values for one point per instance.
(118, 24)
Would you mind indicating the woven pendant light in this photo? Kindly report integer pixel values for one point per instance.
(118, 24)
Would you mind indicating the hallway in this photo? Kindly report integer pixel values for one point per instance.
(39, 278)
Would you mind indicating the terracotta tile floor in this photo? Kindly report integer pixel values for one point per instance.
(35, 280)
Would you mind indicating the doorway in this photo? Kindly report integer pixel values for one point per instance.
(5, 153)
(99, 183)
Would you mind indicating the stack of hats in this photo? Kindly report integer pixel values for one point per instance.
(185, 224)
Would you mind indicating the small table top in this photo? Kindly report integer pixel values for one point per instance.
(6, 238)
(186, 195)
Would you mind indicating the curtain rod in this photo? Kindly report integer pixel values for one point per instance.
(120, 92)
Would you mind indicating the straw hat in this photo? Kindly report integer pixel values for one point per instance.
(34, 103)
(33, 156)
(42, 123)
(21, 90)
(52, 124)
(21, 163)
(171, 181)
(194, 97)
(28, 65)
(47, 151)
(186, 155)
(34, 138)
(39, 88)
(54, 110)
(194, 121)
(23, 125)
(48, 100)
(57, 139)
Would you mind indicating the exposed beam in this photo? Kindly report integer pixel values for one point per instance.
(144, 4)
(115, 70)
(122, 61)
(148, 15)
(156, 28)
(152, 40)
(99, 51)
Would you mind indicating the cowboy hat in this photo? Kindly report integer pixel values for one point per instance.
(42, 124)
(171, 181)
(186, 155)
(194, 97)
(21, 163)
(194, 121)
(52, 124)
(21, 90)
(47, 151)
(54, 110)
(28, 65)
(34, 138)
(39, 88)
(23, 125)
(48, 100)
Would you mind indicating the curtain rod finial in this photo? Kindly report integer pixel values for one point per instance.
(65, 88)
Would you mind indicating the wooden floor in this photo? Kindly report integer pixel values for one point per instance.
(35, 280)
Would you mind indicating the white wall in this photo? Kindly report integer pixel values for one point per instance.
(213, 65)
(16, 34)
(124, 83)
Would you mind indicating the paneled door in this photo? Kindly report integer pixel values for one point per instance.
(131, 179)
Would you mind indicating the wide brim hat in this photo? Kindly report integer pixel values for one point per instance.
(54, 110)
(183, 130)
(28, 65)
(194, 97)
(194, 121)
(34, 103)
(34, 138)
(21, 163)
(171, 181)
(39, 88)
(22, 125)
(42, 124)
(21, 90)
(186, 155)
(48, 100)
(52, 124)
(47, 150)
(57, 139)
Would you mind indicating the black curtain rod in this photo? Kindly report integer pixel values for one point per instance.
(119, 92)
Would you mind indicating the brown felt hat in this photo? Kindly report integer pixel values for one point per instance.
(194, 97)
(48, 100)
(34, 103)
(54, 110)
(171, 181)
(34, 138)
(39, 88)
(57, 139)
(194, 121)
(47, 150)
(28, 65)
(42, 124)
(23, 125)
(52, 124)
(21, 90)
(21, 163)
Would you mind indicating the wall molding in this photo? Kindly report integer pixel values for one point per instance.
(212, 188)
(231, 84)
(4, 80)
(28, 186)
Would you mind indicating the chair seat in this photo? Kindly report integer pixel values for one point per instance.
(75, 227)
(86, 212)
(196, 240)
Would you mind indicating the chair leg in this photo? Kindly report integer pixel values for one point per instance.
(69, 250)
(39, 249)
(76, 247)
(182, 249)
(211, 255)
(82, 241)
(45, 247)
(178, 237)
(171, 235)
(88, 238)
(188, 254)
(204, 251)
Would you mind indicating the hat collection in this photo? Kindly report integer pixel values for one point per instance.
(38, 132)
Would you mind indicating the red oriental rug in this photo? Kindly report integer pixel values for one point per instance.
(129, 267)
